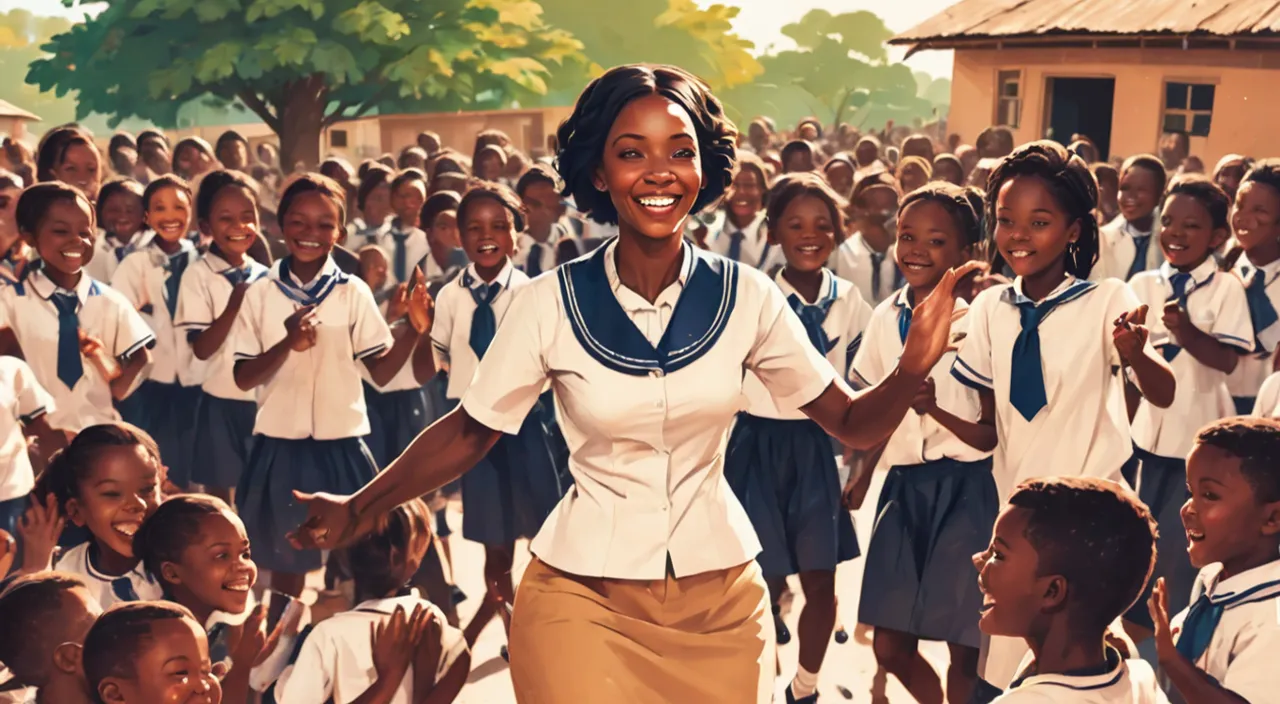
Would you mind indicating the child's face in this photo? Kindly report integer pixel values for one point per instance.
(8, 211)
(1229, 178)
(544, 207)
(408, 199)
(120, 490)
(746, 197)
(797, 161)
(866, 153)
(377, 205)
(808, 132)
(443, 233)
(170, 214)
(173, 667)
(1224, 519)
(65, 237)
(913, 177)
(488, 234)
(233, 221)
(489, 167)
(948, 171)
(234, 155)
(928, 244)
(1255, 218)
(1032, 231)
(1187, 235)
(1012, 594)
(216, 568)
(1138, 193)
(312, 226)
(191, 162)
(840, 176)
(806, 233)
(373, 268)
(875, 214)
(81, 167)
(122, 214)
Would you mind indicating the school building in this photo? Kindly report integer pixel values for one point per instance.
(1120, 71)
(13, 120)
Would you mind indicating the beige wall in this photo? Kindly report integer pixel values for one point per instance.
(1245, 105)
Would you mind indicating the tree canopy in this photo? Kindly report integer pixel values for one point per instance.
(21, 35)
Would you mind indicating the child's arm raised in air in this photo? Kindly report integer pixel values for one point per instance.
(1153, 376)
(1193, 684)
(1206, 349)
(207, 342)
(980, 435)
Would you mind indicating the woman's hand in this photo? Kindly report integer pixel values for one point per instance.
(331, 522)
(930, 334)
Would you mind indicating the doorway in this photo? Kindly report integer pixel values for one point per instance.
(1080, 106)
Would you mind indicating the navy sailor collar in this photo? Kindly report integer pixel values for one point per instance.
(312, 292)
(1069, 290)
(602, 327)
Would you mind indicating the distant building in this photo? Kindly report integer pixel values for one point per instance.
(13, 120)
(1121, 72)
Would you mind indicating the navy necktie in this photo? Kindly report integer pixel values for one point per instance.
(1026, 392)
(904, 322)
(400, 266)
(877, 260)
(533, 265)
(1197, 630)
(735, 246)
(813, 316)
(483, 322)
(1179, 281)
(70, 366)
(1141, 243)
(236, 276)
(121, 252)
(177, 264)
(1261, 312)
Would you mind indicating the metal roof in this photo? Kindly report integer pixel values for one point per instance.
(994, 19)
(10, 110)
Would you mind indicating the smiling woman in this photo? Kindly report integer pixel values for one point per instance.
(644, 574)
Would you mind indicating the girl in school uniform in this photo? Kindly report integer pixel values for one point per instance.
(743, 237)
(84, 340)
(509, 494)
(120, 215)
(866, 257)
(373, 199)
(1043, 350)
(302, 333)
(151, 278)
(1125, 245)
(1202, 333)
(209, 300)
(645, 573)
(939, 498)
(780, 464)
(403, 241)
(69, 154)
(1255, 220)
(446, 257)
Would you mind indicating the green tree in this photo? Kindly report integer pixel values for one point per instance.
(303, 65)
(21, 35)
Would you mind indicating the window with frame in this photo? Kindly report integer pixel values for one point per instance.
(338, 138)
(1009, 98)
(1188, 108)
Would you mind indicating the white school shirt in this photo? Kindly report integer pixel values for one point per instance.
(104, 314)
(1127, 682)
(756, 250)
(404, 378)
(317, 393)
(647, 444)
(1116, 249)
(415, 248)
(546, 251)
(1267, 405)
(1242, 652)
(1217, 307)
(141, 278)
(203, 296)
(844, 325)
(451, 330)
(920, 438)
(1084, 428)
(1253, 369)
(108, 252)
(135, 585)
(852, 261)
(336, 660)
(24, 400)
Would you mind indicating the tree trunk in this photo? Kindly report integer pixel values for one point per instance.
(301, 124)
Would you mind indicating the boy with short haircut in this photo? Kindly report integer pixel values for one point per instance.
(1226, 646)
(53, 611)
(1068, 556)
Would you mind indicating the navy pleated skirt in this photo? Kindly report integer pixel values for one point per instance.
(784, 473)
(264, 497)
(1162, 486)
(395, 419)
(168, 413)
(224, 433)
(919, 576)
(510, 492)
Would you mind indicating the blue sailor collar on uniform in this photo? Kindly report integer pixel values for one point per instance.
(218, 265)
(1069, 290)
(1080, 682)
(1269, 271)
(45, 288)
(1201, 276)
(1258, 584)
(596, 302)
(309, 292)
(471, 278)
(827, 290)
(134, 585)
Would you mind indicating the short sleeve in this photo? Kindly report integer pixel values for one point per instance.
(442, 326)
(309, 680)
(1232, 325)
(195, 306)
(782, 357)
(370, 334)
(128, 280)
(246, 334)
(513, 372)
(1122, 301)
(973, 366)
(33, 400)
(868, 366)
(1252, 671)
(132, 332)
(1268, 398)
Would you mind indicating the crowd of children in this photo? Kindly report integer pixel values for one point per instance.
(199, 322)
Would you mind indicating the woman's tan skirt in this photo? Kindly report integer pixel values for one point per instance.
(702, 638)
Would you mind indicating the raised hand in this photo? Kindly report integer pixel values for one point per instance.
(398, 303)
(1130, 334)
(926, 398)
(930, 334)
(1176, 320)
(1158, 607)
(420, 304)
(40, 528)
(300, 329)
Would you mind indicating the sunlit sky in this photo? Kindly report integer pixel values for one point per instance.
(760, 20)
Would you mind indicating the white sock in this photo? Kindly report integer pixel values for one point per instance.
(805, 683)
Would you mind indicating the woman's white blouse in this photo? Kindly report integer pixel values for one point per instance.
(647, 451)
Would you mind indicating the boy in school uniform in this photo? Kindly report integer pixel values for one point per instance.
(867, 257)
(1068, 556)
(539, 190)
(1129, 244)
(404, 242)
(1224, 647)
(1256, 225)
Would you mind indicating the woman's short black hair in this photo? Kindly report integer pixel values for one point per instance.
(582, 136)
(34, 204)
(162, 182)
(1207, 193)
(964, 204)
(791, 186)
(1150, 163)
(116, 639)
(371, 177)
(53, 149)
(175, 525)
(1072, 185)
(213, 183)
(496, 192)
(436, 204)
(111, 188)
(313, 183)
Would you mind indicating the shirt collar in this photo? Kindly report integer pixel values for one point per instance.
(1269, 271)
(1258, 583)
(824, 289)
(1199, 275)
(1129, 229)
(1116, 670)
(45, 288)
(902, 298)
(330, 266)
(632, 301)
(388, 605)
(503, 277)
(750, 232)
(1015, 295)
